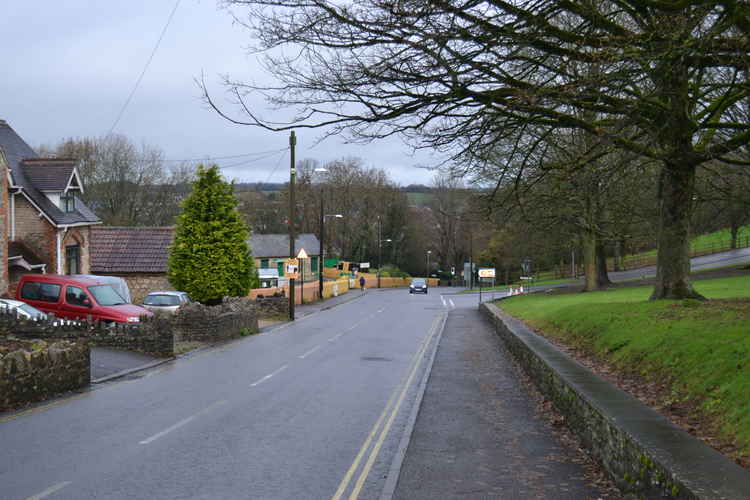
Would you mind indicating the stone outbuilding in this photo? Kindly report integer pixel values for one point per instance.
(137, 254)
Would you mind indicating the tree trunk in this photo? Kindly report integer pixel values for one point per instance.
(676, 185)
(733, 231)
(618, 254)
(588, 241)
(602, 278)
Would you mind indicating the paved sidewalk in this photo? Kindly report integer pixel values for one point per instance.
(106, 361)
(477, 435)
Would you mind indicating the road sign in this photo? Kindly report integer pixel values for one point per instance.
(364, 265)
(302, 254)
(487, 272)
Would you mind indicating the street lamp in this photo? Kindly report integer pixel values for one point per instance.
(380, 248)
(322, 247)
(428, 262)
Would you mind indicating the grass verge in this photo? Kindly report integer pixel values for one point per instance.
(699, 350)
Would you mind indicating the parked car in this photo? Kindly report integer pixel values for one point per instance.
(418, 285)
(119, 284)
(21, 309)
(165, 301)
(77, 298)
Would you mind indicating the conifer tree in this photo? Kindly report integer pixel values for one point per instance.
(210, 257)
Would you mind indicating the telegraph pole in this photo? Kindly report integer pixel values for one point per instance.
(292, 254)
(321, 265)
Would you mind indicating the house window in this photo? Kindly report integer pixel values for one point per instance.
(67, 203)
(73, 259)
(264, 263)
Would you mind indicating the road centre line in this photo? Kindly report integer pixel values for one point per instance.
(269, 376)
(452, 304)
(181, 423)
(366, 445)
(52, 489)
(355, 325)
(442, 299)
(309, 352)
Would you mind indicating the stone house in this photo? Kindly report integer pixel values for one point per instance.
(137, 254)
(45, 227)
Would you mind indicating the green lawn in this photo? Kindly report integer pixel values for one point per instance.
(701, 349)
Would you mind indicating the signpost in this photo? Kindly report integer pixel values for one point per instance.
(300, 256)
(485, 273)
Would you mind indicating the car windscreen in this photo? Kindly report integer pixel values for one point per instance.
(105, 295)
(161, 300)
(418, 282)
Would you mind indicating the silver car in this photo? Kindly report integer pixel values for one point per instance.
(165, 301)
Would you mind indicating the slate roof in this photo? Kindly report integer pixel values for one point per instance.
(130, 249)
(264, 246)
(49, 174)
(16, 150)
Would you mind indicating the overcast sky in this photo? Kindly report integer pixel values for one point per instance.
(68, 68)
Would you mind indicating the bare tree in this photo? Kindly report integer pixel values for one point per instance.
(463, 75)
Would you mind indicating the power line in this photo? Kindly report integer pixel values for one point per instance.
(138, 82)
(230, 157)
(281, 157)
(254, 160)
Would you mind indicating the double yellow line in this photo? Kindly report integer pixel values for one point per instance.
(388, 416)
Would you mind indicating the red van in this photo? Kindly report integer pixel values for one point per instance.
(77, 298)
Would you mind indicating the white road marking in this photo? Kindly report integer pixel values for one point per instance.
(335, 337)
(49, 491)
(269, 376)
(180, 423)
(309, 352)
(443, 300)
(452, 304)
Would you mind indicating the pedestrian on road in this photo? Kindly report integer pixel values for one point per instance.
(362, 283)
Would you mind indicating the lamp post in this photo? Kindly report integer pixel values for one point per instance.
(322, 247)
(380, 249)
(292, 176)
(322, 235)
(428, 262)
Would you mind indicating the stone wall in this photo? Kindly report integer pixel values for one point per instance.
(644, 453)
(141, 284)
(151, 336)
(35, 370)
(235, 317)
(272, 307)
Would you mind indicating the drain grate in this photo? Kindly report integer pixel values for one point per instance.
(375, 358)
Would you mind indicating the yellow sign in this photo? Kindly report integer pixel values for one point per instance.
(487, 273)
(292, 262)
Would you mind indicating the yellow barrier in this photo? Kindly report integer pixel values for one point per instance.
(334, 288)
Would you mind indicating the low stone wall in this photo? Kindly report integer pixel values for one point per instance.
(645, 454)
(34, 370)
(272, 307)
(235, 317)
(151, 336)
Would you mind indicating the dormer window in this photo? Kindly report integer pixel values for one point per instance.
(67, 203)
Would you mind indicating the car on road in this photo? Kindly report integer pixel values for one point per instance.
(418, 285)
(77, 298)
(165, 301)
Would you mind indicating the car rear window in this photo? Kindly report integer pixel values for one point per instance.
(161, 300)
(46, 292)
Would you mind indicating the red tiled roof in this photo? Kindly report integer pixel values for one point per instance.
(130, 249)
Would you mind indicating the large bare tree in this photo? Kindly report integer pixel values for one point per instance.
(462, 75)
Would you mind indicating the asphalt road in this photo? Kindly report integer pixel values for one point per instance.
(320, 408)
(304, 411)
